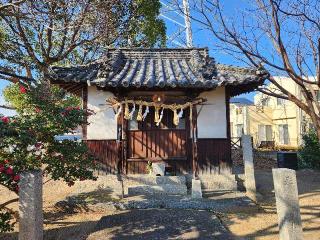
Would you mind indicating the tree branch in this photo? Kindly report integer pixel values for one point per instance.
(17, 76)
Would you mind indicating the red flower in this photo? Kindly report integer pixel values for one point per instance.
(38, 110)
(6, 161)
(16, 178)
(5, 119)
(23, 89)
(38, 145)
(9, 171)
(2, 169)
(70, 184)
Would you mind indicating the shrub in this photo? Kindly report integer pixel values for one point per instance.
(309, 153)
(28, 139)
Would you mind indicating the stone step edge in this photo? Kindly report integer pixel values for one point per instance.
(153, 180)
(162, 189)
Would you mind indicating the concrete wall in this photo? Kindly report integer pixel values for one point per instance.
(212, 121)
(102, 124)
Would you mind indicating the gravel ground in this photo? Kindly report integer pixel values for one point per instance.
(81, 219)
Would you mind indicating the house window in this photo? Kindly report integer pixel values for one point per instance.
(238, 110)
(281, 101)
(239, 130)
(283, 134)
(265, 132)
(265, 102)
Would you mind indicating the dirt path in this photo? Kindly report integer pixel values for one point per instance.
(262, 223)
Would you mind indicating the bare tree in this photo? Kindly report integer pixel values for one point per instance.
(35, 35)
(282, 36)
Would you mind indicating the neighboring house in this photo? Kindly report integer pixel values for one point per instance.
(272, 121)
(246, 118)
(121, 87)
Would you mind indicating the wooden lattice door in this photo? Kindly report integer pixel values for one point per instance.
(167, 141)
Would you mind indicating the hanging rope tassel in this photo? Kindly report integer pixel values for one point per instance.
(175, 117)
(139, 116)
(118, 113)
(145, 113)
(126, 111)
(160, 118)
(132, 111)
(156, 114)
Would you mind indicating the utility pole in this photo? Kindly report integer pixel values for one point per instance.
(186, 11)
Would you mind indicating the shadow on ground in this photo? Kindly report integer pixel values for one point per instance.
(160, 224)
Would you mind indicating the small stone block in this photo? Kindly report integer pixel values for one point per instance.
(158, 169)
(196, 191)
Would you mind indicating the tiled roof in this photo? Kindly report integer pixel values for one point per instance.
(158, 68)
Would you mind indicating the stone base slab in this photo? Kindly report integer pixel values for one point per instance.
(162, 189)
(141, 179)
(219, 182)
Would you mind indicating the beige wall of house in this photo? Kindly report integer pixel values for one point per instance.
(212, 120)
(284, 118)
(245, 119)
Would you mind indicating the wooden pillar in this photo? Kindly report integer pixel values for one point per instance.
(195, 117)
(119, 144)
(194, 136)
(124, 142)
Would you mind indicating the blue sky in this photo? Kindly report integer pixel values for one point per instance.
(201, 38)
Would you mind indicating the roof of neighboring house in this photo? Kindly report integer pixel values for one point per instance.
(242, 101)
(159, 68)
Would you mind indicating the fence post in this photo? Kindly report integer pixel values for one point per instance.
(288, 210)
(250, 182)
(30, 206)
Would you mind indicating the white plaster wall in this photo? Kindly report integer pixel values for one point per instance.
(102, 125)
(212, 121)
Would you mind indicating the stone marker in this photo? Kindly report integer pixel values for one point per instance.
(30, 206)
(158, 169)
(250, 182)
(196, 191)
(286, 192)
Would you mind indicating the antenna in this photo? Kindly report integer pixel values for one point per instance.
(179, 19)
(186, 11)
